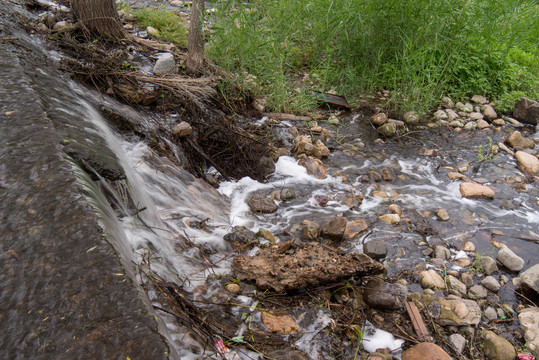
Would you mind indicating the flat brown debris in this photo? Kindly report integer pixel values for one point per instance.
(299, 268)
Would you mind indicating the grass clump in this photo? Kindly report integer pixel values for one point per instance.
(421, 50)
(170, 26)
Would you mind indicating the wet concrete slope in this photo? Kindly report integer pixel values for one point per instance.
(62, 292)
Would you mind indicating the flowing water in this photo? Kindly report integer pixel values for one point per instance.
(81, 206)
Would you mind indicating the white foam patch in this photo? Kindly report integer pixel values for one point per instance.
(374, 338)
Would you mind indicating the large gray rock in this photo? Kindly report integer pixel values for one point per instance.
(386, 296)
(530, 278)
(509, 259)
(376, 249)
(164, 64)
(527, 111)
(458, 342)
(262, 205)
(529, 322)
(497, 348)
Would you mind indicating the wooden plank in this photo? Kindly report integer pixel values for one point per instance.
(417, 321)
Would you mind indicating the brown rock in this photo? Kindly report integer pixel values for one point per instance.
(379, 119)
(354, 228)
(395, 209)
(471, 190)
(262, 205)
(431, 280)
(456, 176)
(314, 167)
(527, 162)
(309, 230)
(282, 324)
(527, 111)
(335, 228)
(425, 351)
(390, 218)
(497, 348)
(233, 288)
(489, 112)
(182, 129)
(387, 175)
(517, 140)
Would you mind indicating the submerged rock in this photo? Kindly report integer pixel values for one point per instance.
(517, 140)
(314, 167)
(310, 266)
(425, 351)
(376, 249)
(497, 348)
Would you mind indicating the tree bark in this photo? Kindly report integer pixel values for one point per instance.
(99, 17)
(195, 40)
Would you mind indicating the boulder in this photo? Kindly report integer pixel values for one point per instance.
(527, 111)
(314, 167)
(431, 280)
(529, 322)
(527, 162)
(379, 294)
(530, 278)
(260, 204)
(354, 228)
(517, 140)
(472, 190)
(497, 348)
(334, 228)
(309, 230)
(509, 259)
(425, 351)
(376, 249)
(164, 64)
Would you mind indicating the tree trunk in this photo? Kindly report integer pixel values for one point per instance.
(195, 40)
(99, 17)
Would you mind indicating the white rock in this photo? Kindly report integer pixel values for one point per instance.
(529, 321)
(509, 259)
(530, 277)
(164, 64)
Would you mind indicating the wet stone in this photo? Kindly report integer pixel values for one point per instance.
(233, 288)
(182, 129)
(335, 228)
(386, 296)
(387, 175)
(310, 230)
(390, 218)
(527, 162)
(395, 209)
(488, 265)
(471, 190)
(491, 283)
(314, 167)
(517, 140)
(260, 204)
(287, 194)
(376, 249)
(354, 228)
(509, 259)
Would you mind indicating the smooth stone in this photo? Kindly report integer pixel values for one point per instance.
(287, 194)
(385, 296)
(467, 279)
(509, 259)
(478, 99)
(497, 348)
(491, 283)
(441, 252)
(431, 280)
(456, 124)
(488, 264)
(390, 218)
(334, 228)
(462, 262)
(456, 176)
(164, 64)
(477, 292)
(440, 115)
(309, 230)
(379, 119)
(233, 288)
(469, 246)
(527, 162)
(375, 249)
(425, 351)
(490, 313)
(517, 140)
(354, 228)
(442, 214)
(529, 320)
(530, 278)
(315, 167)
(472, 190)
(499, 122)
(475, 116)
(153, 32)
(489, 112)
(482, 124)
(395, 209)
(458, 342)
(451, 115)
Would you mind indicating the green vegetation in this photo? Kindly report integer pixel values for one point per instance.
(488, 154)
(421, 50)
(168, 24)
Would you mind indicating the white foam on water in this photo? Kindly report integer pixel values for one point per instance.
(374, 338)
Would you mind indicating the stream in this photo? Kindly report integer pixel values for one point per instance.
(83, 205)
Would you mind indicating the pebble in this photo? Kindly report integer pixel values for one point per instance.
(490, 313)
(442, 214)
(509, 259)
(390, 218)
(458, 341)
(477, 292)
(491, 283)
(233, 288)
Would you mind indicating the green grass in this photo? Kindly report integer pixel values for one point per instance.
(421, 50)
(169, 25)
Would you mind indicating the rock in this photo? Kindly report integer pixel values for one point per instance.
(233, 288)
(287, 194)
(314, 167)
(497, 348)
(321, 151)
(451, 115)
(477, 292)
(309, 266)
(442, 214)
(470, 125)
(375, 249)
(431, 280)
(182, 129)
(509, 259)
(456, 176)
(282, 324)
(385, 296)
(490, 313)
(499, 122)
(447, 102)
(461, 310)
(309, 230)
(517, 140)
(440, 115)
(472, 190)
(63, 26)
(425, 351)
(478, 99)
(467, 279)
(239, 236)
(468, 246)
(458, 312)
(164, 64)
(259, 104)
(530, 278)
(456, 124)
(260, 204)
(488, 264)
(527, 162)
(387, 175)
(266, 165)
(474, 116)
(467, 108)
(489, 112)
(335, 228)
(513, 122)
(491, 283)
(153, 32)
(390, 218)
(354, 228)
(388, 129)
(463, 261)
(456, 284)
(529, 322)
(411, 118)
(458, 342)
(395, 209)
(441, 252)
(379, 119)
(527, 111)
(482, 124)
